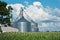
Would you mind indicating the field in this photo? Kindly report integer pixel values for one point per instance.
(30, 36)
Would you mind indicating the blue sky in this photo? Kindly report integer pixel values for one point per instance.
(51, 3)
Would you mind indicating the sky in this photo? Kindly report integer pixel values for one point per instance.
(51, 3)
(45, 12)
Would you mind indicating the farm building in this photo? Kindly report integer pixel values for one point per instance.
(24, 25)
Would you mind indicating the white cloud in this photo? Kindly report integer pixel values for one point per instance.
(57, 11)
(37, 13)
(38, 4)
(40, 13)
(52, 26)
(16, 9)
(54, 12)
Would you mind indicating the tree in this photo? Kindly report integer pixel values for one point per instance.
(4, 13)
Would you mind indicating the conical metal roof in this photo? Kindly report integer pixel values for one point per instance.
(22, 19)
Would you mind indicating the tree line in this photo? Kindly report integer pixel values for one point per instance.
(4, 13)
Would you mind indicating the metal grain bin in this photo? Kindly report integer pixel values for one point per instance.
(24, 25)
(34, 26)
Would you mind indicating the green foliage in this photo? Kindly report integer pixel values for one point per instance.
(3, 9)
(30, 36)
(4, 12)
(3, 4)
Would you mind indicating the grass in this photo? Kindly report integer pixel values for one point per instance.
(30, 36)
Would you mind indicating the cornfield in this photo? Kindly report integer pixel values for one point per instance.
(30, 36)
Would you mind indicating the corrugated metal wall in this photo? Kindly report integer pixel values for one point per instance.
(24, 26)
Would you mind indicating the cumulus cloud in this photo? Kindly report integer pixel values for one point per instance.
(38, 13)
(16, 10)
(51, 26)
(57, 11)
(38, 4)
